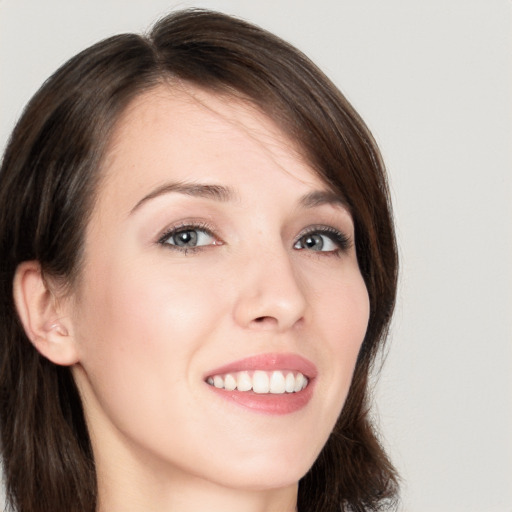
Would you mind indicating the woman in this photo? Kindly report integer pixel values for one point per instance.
(198, 269)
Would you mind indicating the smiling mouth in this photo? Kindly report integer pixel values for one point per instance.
(275, 382)
(271, 383)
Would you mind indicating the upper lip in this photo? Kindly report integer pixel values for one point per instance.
(268, 362)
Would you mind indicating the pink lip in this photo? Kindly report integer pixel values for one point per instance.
(269, 362)
(273, 404)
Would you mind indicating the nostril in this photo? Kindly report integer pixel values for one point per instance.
(264, 321)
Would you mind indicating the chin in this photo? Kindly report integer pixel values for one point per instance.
(263, 472)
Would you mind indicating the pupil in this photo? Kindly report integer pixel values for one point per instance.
(314, 242)
(186, 238)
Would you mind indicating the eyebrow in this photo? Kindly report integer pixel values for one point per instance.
(224, 194)
(215, 192)
(321, 197)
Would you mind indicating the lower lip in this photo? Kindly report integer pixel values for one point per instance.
(268, 403)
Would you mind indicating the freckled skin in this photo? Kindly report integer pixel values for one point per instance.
(150, 320)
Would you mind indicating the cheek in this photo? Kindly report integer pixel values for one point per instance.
(143, 304)
(344, 313)
(342, 309)
(139, 329)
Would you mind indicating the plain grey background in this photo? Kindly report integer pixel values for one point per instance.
(433, 80)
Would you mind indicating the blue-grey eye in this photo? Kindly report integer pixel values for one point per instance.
(189, 237)
(322, 241)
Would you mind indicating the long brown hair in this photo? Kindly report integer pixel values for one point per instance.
(48, 180)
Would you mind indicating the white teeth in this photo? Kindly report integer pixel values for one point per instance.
(243, 381)
(277, 383)
(290, 382)
(229, 382)
(261, 382)
(299, 382)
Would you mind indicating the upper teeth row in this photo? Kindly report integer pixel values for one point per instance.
(259, 381)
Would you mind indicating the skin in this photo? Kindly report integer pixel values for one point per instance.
(148, 320)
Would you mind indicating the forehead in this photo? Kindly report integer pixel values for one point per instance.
(186, 134)
(179, 120)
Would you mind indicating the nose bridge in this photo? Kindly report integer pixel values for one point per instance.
(270, 293)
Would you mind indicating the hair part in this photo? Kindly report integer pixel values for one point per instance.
(48, 181)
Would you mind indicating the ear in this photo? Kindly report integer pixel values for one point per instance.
(44, 318)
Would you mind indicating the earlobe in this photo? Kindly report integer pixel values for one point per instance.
(43, 317)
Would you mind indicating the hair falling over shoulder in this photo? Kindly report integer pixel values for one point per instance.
(48, 178)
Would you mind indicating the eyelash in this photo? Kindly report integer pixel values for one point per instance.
(195, 226)
(341, 240)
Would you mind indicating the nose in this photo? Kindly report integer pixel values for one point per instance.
(271, 295)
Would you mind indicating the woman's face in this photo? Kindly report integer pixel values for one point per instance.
(221, 308)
